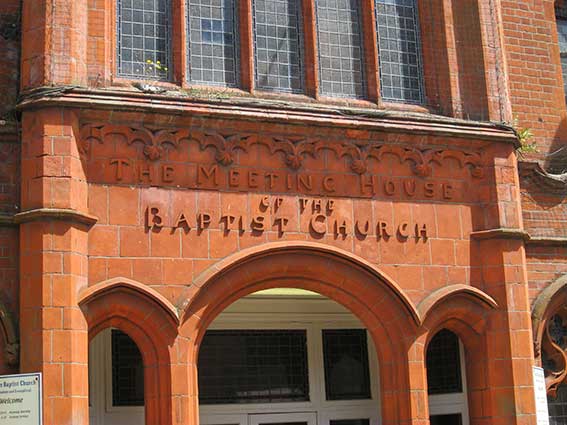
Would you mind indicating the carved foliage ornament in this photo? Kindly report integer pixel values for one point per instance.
(294, 150)
(553, 351)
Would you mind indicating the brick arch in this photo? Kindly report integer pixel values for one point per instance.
(370, 295)
(463, 311)
(143, 315)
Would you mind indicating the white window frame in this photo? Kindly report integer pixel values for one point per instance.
(314, 324)
(453, 403)
(102, 410)
(270, 418)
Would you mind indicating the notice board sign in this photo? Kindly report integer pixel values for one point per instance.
(21, 399)
(540, 392)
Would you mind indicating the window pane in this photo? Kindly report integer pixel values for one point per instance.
(454, 419)
(212, 47)
(557, 407)
(278, 45)
(127, 371)
(350, 422)
(340, 48)
(143, 38)
(562, 33)
(444, 364)
(399, 48)
(345, 353)
(256, 366)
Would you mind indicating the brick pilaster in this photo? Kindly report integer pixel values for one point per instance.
(53, 265)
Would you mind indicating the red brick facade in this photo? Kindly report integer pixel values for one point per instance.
(151, 213)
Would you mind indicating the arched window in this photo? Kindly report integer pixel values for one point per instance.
(274, 358)
(446, 383)
(143, 45)
(116, 380)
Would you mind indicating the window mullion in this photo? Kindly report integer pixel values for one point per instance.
(370, 47)
(180, 42)
(311, 60)
(246, 45)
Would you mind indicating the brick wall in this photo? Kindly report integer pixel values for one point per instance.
(545, 265)
(534, 71)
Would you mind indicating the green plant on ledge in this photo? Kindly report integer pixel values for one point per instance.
(525, 137)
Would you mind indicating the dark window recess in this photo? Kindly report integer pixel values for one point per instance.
(345, 353)
(454, 419)
(278, 45)
(213, 57)
(339, 34)
(557, 407)
(444, 364)
(253, 366)
(127, 371)
(399, 50)
(143, 39)
(350, 422)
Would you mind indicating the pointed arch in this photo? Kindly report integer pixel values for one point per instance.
(151, 321)
(375, 299)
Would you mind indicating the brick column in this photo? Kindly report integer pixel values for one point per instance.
(54, 43)
(53, 264)
(501, 255)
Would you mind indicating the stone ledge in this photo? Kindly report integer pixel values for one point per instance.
(500, 233)
(248, 108)
(547, 240)
(55, 214)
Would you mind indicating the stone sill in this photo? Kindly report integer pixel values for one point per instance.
(265, 110)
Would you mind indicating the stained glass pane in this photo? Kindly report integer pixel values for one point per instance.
(143, 39)
(399, 51)
(339, 34)
(278, 45)
(213, 58)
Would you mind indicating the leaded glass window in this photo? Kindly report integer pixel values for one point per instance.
(557, 407)
(127, 371)
(278, 45)
(399, 51)
(213, 51)
(339, 36)
(444, 364)
(253, 366)
(143, 39)
(345, 354)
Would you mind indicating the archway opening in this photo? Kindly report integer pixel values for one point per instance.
(288, 356)
(116, 380)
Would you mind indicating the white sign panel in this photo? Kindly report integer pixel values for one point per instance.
(20, 399)
(540, 392)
